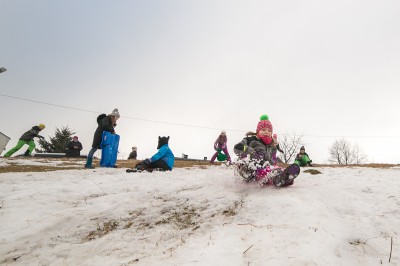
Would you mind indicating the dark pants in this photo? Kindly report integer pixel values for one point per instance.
(157, 164)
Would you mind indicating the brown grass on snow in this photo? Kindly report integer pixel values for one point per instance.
(78, 163)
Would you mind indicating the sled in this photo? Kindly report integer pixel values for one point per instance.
(109, 149)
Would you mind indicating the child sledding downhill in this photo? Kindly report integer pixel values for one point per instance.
(256, 161)
(302, 158)
(221, 148)
(163, 160)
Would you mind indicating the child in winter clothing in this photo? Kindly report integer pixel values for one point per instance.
(163, 159)
(302, 158)
(133, 154)
(27, 138)
(260, 147)
(105, 123)
(220, 144)
(74, 148)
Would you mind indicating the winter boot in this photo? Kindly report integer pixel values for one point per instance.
(88, 164)
(287, 177)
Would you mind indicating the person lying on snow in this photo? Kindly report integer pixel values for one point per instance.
(256, 152)
(164, 159)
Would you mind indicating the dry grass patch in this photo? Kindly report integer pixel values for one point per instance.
(181, 219)
(232, 211)
(103, 230)
(15, 168)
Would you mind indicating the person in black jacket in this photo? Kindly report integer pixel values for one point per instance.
(74, 148)
(104, 123)
(27, 138)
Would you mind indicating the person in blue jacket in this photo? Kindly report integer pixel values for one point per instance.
(164, 159)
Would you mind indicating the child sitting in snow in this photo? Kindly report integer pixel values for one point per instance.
(256, 152)
(164, 159)
(302, 158)
(220, 145)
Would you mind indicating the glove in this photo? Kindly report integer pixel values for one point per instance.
(239, 147)
(146, 162)
(40, 137)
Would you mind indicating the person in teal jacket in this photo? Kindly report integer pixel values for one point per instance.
(302, 158)
(164, 159)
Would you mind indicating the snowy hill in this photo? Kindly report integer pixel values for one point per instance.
(198, 216)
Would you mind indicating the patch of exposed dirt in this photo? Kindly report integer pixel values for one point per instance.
(312, 171)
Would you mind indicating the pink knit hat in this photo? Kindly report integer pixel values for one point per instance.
(264, 122)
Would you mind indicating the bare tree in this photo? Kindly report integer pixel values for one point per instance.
(335, 154)
(342, 152)
(290, 143)
(359, 156)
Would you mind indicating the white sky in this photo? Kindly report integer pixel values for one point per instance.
(344, 216)
(324, 69)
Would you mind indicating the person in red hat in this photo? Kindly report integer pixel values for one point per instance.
(257, 161)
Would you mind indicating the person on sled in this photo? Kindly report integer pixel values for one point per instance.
(257, 162)
(220, 145)
(302, 158)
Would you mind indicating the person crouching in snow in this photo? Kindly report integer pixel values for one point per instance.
(27, 138)
(164, 159)
(74, 148)
(220, 144)
(302, 158)
(133, 154)
(260, 149)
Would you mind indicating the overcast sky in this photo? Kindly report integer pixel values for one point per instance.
(324, 69)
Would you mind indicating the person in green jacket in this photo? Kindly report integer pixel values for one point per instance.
(302, 158)
(27, 138)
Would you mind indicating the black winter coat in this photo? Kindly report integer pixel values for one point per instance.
(104, 124)
(30, 134)
(73, 152)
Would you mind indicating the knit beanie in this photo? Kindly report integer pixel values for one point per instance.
(115, 112)
(162, 141)
(264, 122)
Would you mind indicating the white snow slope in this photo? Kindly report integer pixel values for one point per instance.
(344, 216)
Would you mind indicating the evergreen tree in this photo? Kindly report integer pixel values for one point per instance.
(58, 143)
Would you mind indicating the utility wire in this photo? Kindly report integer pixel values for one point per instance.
(178, 124)
(128, 117)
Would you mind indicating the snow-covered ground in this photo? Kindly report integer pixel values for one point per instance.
(198, 216)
